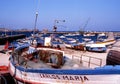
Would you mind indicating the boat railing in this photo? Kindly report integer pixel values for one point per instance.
(88, 61)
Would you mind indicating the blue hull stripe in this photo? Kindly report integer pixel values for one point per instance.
(98, 71)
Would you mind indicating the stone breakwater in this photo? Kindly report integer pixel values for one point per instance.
(11, 38)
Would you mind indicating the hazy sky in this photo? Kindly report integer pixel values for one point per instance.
(101, 15)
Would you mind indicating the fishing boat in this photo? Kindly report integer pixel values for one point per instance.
(74, 46)
(101, 46)
(107, 42)
(96, 47)
(110, 40)
(46, 65)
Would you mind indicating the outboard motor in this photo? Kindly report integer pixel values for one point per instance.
(113, 58)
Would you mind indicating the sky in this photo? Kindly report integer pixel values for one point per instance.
(90, 15)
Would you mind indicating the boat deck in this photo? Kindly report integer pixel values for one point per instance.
(69, 64)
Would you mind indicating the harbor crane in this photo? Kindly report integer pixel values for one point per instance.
(83, 28)
(55, 26)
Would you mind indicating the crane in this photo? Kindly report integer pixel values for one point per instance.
(85, 25)
(56, 21)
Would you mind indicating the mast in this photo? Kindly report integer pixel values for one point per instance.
(36, 17)
(35, 23)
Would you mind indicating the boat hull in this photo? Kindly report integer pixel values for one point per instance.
(107, 43)
(58, 76)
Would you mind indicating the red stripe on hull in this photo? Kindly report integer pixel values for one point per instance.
(4, 69)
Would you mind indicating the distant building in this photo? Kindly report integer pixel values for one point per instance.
(4, 29)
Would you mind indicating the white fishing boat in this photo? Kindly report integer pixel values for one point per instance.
(96, 47)
(55, 67)
(68, 45)
(88, 34)
(109, 41)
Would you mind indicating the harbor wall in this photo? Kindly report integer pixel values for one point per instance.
(4, 39)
